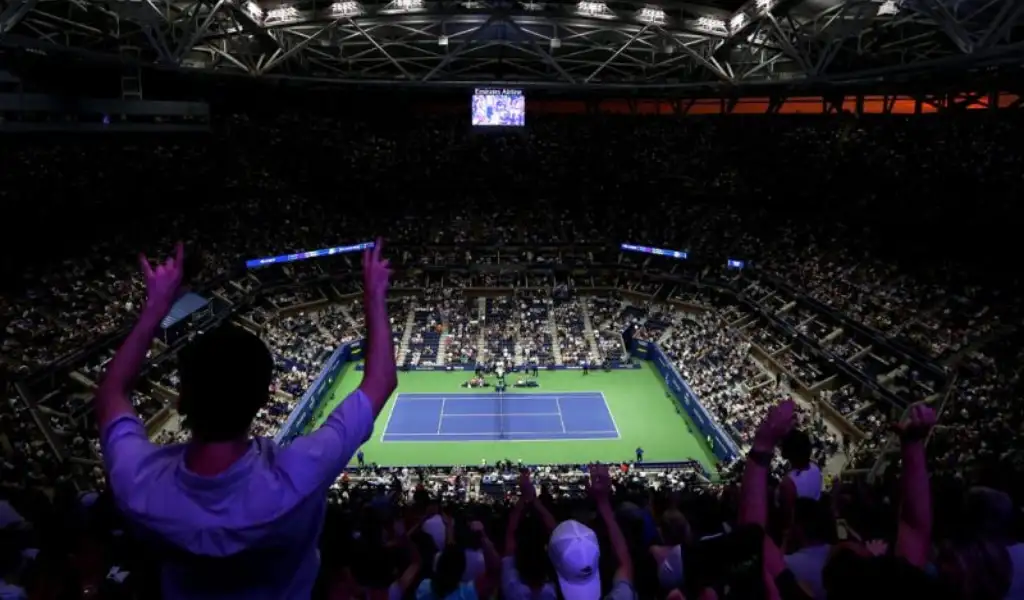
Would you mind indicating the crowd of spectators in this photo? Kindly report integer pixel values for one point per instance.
(536, 328)
(62, 297)
(574, 340)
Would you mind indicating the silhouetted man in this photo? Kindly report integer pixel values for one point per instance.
(234, 516)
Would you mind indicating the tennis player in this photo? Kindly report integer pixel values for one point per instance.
(233, 516)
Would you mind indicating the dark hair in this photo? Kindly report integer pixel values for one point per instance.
(814, 520)
(451, 564)
(977, 568)
(675, 529)
(851, 576)
(10, 552)
(531, 556)
(225, 380)
(796, 447)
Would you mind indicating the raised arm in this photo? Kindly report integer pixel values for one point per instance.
(380, 377)
(779, 582)
(914, 538)
(412, 570)
(315, 460)
(514, 517)
(545, 515)
(754, 491)
(162, 285)
(487, 583)
(600, 491)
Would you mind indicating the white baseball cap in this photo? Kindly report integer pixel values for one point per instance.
(575, 553)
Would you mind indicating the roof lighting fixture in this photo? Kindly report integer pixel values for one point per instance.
(592, 9)
(283, 13)
(651, 14)
(346, 9)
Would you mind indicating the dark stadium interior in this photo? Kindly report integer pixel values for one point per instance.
(844, 179)
(903, 227)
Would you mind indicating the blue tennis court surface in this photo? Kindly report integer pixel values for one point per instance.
(493, 417)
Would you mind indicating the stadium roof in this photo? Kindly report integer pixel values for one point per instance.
(720, 44)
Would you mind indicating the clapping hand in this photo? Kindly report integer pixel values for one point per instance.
(376, 272)
(777, 424)
(918, 423)
(164, 283)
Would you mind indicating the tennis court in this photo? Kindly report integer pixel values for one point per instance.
(433, 420)
(490, 416)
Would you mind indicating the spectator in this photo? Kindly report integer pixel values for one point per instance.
(575, 551)
(176, 492)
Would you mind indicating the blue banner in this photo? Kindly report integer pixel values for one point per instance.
(303, 414)
(642, 349)
(721, 443)
(305, 255)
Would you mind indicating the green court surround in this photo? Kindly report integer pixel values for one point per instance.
(643, 413)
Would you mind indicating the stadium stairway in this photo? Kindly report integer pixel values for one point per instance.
(481, 316)
(403, 346)
(588, 329)
(442, 348)
(442, 342)
(556, 348)
(348, 317)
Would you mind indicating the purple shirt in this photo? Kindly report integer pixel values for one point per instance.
(250, 532)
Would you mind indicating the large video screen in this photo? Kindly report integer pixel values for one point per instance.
(493, 107)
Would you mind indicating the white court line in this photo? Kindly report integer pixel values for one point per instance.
(411, 396)
(408, 397)
(447, 415)
(560, 440)
(494, 433)
(561, 421)
(611, 416)
(387, 423)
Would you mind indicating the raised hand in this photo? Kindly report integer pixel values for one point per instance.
(779, 421)
(917, 424)
(600, 487)
(164, 283)
(526, 489)
(376, 272)
(877, 547)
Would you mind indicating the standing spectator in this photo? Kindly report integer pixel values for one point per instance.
(454, 577)
(234, 517)
(804, 479)
(575, 552)
(525, 569)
